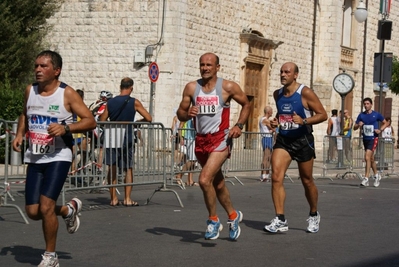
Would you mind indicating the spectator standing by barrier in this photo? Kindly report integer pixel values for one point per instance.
(207, 100)
(368, 122)
(298, 108)
(97, 109)
(80, 140)
(48, 110)
(178, 155)
(188, 140)
(388, 132)
(267, 143)
(347, 131)
(123, 108)
(333, 130)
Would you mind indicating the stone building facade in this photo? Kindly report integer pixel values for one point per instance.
(103, 41)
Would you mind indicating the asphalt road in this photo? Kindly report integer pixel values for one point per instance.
(359, 227)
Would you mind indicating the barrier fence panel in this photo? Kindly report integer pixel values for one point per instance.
(337, 155)
(184, 159)
(247, 156)
(149, 148)
(13, 171)
(384, 156)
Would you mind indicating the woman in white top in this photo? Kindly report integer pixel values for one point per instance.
(388, 133)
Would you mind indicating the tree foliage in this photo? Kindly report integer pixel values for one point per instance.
(394, 85)
(22, 30)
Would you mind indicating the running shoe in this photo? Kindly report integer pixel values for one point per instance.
(72, 221)
(314, 222)
(365, 181)
(213, 229)
(235, 229)
(49, 261)
(265, 178)
(377, 179)
(276, 225)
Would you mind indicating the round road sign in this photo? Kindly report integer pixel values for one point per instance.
(153, 72)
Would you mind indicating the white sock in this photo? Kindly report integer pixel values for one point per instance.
(49, 254)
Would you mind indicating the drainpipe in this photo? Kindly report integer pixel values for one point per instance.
(313, 43)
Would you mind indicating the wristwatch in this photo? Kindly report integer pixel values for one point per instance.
(239, 125)
(305, 122)
(66, 128)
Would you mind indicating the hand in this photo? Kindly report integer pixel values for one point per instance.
(297, 119)
(55, 129)
(193, 111)
(16, 144)
(235, 132)
(274, 123)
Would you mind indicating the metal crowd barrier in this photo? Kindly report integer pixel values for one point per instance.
(337, 154)
(12, 169)
(246, 156)
(346, 154)
(384, 157)
(152, 159)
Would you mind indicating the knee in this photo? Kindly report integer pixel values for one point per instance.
(33, 213)
(308, 182)
(204, 183)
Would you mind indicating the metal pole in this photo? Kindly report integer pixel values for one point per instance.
(152, 93)
(381, 75)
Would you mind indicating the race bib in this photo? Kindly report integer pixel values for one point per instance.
(368, 130)
(41, 143)
(207, 104)
(287, 122)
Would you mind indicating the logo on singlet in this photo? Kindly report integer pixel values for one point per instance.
(54, 108)
(287, 108)
(41, 122)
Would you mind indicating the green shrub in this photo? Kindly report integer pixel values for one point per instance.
(11, 104)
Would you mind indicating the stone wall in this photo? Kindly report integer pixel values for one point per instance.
(98, 40)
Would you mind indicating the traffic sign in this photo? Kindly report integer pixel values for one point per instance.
(153, 72)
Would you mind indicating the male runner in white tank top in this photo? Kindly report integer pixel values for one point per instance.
(207, 100)
(47, 120)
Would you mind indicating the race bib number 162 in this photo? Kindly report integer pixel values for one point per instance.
(41, 143)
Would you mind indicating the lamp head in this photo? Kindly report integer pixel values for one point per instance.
(361, 12)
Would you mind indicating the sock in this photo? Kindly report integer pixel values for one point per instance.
(233, 215)
(313, 214)
(70, 211)
(49, 254)
(214, 218)
(281, 217)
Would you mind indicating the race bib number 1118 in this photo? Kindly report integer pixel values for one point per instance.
(207, 104)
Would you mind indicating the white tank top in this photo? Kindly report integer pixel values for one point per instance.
(264, 129)
(336, 128)
(42, 111)
(387, 133)
(214, 113)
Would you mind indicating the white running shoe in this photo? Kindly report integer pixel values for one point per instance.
(73, 221)
(49, 261)
(314, 222)
(276, 225)
(365, 181)
(377, 179)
